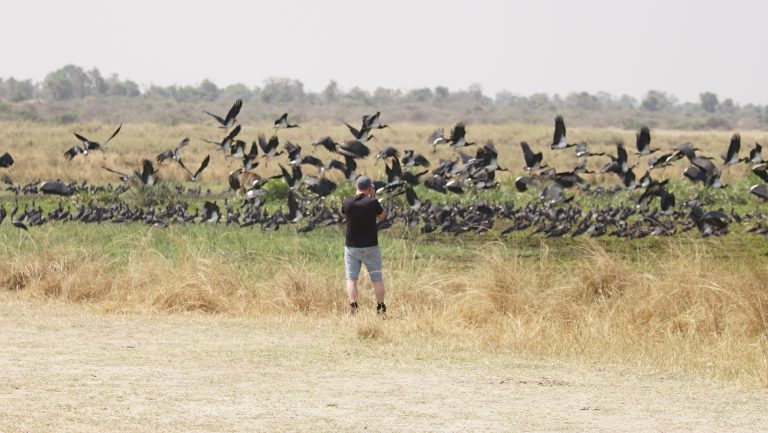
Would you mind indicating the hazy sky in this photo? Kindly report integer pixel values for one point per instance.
(679, 46)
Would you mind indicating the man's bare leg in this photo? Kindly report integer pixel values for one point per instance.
(352, 295)
(378, 290)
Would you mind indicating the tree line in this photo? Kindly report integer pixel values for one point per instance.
(72, 94)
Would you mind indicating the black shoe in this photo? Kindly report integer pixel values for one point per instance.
(353, 308)
(381, 308)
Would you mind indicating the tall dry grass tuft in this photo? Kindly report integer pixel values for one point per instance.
(685, 310)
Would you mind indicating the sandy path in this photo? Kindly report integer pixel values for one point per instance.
(67, 369)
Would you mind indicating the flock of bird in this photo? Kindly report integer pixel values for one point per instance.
(552, 214)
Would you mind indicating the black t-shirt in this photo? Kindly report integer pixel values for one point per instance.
(361, 212)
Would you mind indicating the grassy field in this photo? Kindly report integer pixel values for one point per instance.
(38, 148)
(687, 306)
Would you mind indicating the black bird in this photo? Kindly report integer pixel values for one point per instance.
(685, 150)
(486, 157)
(761, 171)
(732, 156)
(234, 179)
(231, 117)
(458, 137)
(581, 167)
(269, 148)
(236, 150)
(148, 173)
(282, 122)
(315, 162)
(619, 163)
(372, 121)
(413, 200)
(711, 173)
(760, 190)
(195, 177)
(327, 142)
(364, 134)
(354, 149)
(17, 222)
(643, 142)
(6, 161)
(212, 212)
(89, 145)
(411, 159)
(294, 152)
(56, 187)
(558, 139)
(124, 177)
(320, 186)
(437, 137)
(294, 213)
(582, 152)
(756, 154)
(388, 152)
(660, 162)
(292, 178)
(227, 141)
(532, 160)
(174, 154)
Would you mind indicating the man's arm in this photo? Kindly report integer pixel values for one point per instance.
(382, 212)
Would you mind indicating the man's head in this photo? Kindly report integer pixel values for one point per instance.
(364, 184)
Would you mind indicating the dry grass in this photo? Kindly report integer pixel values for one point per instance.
(684, 311)
(38, 148)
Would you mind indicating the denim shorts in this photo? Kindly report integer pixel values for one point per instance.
(355, 257)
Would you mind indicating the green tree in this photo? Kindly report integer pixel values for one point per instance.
(331, 93)
(278, 90)
(68, 82)
(17, 91)
(656, 101)
(208, 90)
(96, 84)
(709, 102)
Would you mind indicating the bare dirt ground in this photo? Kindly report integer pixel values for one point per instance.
(66, 368)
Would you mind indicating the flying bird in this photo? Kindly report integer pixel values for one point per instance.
(174, 154)
(282, 122)
(88, 145)
(196, 176)
(558, 139)
(6, 161)
(231, 118)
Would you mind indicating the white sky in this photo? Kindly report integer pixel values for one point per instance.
(683, 47)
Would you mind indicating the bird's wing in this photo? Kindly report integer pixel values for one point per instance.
(167, 154)
(234, 111)
(113, 134)
(81, 138)
(218, 119)
(263, 143)
(559, 130)
(353, 130)
(72, 152)
(233, 134)
(203, 165)
(115, 172)
(184, 167)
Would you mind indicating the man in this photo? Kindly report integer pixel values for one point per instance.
(362, 244)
